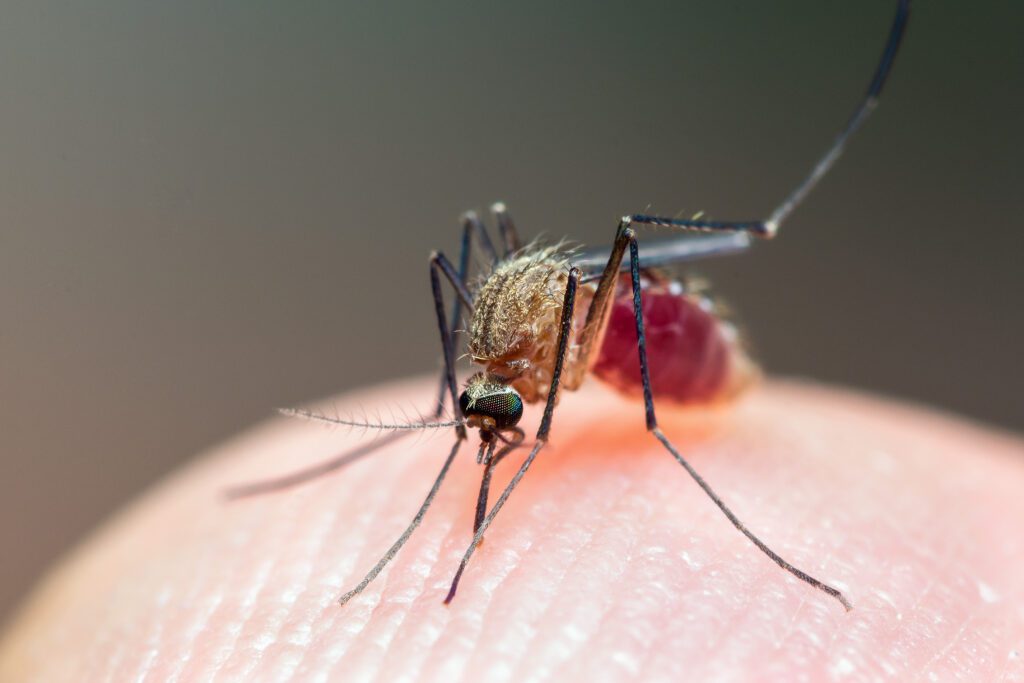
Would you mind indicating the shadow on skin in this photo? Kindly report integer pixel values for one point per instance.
(607, 563)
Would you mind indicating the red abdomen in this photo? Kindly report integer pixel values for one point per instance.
(693, 355)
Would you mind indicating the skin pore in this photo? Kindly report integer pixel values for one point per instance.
(607, 563)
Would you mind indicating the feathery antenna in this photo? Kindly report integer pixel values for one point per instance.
(304, 414)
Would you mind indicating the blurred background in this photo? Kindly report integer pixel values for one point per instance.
(211, 209)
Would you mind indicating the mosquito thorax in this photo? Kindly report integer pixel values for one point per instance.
(490, 404)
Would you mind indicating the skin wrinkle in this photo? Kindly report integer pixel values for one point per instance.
(555, 625)
(652, 664)
(394, 625)
(291, 509)
(655, 661)
(656, 653)
(792, 628)
(767, 573)
(187, 659)
(626, 532)
(529, 604)
(827, 557)
(505, 657)
(572, 554)
(1013, 659)
(915, 608)
(734, 623)
(201, 606)
(947, 647)
(620, 604)
(369, 649)
(839, 647)
(318, 540)
(253, 607)
(463, 626)
(313, 540)
(409, 630)
(494, 593)
(425, 594)
(272, 626)
(660, 565)
(963, 592)
(354, 482)
(325, 619)
(881, 660)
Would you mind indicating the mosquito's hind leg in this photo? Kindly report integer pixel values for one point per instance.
(768, 227)
(652, 425)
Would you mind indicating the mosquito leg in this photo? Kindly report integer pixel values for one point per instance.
(507, 229)
(440, 262)
(565, 329)
(652, 426)
(598, 310)
(397, 545)
(485, 487)
(437, 262)
(490, 463)
(770, 226)
(471, 225)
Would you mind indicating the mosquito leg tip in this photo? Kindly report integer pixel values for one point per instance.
(838, 595)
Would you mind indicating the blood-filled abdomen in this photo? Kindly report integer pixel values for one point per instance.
(693, 355)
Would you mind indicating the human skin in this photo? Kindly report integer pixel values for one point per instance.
(607, 563)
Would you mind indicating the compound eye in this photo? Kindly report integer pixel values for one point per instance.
(504, 407)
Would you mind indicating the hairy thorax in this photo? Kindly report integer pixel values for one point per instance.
(515, 325)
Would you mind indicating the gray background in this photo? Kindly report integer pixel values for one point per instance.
(211, 209)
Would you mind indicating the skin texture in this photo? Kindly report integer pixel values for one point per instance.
(608, 563)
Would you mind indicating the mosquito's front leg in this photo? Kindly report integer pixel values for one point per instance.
(565, 331)
(438, 264)
(490, 460)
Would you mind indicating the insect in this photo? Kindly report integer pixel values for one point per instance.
(542, 318)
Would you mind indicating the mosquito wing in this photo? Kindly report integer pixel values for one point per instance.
(666, 251)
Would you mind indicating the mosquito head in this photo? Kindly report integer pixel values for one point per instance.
(489, 404)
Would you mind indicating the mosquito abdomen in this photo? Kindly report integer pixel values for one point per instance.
(695, 356)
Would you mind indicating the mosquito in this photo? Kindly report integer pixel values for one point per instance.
(543, 318)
